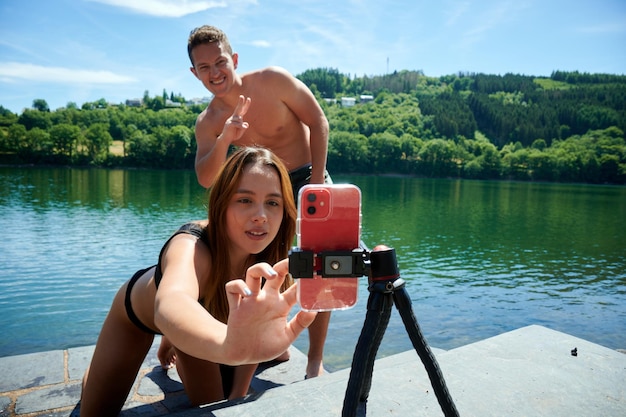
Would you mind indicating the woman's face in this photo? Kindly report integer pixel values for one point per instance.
(255, 211)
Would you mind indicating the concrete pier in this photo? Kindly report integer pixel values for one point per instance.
(526, 372)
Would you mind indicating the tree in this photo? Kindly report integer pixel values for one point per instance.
(347, 152)
(38, 145)
(327, 81)
(609, 169)
(65, 137)
(410, 147)
(35, 118)
(40, 105)
(7, 117)
(437, 159)
(385, 152)
(539, 144)
(16, 137)
(98, 140)
(141, 149)
(175, 145)
(487, 165)
(541, 165)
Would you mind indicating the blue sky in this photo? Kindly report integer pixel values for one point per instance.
(84, 50)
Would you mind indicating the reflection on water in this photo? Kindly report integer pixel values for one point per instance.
(72, 237)
(479, 258)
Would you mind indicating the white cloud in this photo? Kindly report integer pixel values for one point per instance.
(165, 8)
(37, 73)
(261, 44)
(501, 15)
(456, 11)
(605, 28)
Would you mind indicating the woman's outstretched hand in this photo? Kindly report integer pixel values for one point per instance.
(258, 329)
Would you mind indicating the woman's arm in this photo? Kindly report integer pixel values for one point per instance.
(177, 312)
(257, 328)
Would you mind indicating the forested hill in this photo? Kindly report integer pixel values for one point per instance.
(566, 127)
(508, 108)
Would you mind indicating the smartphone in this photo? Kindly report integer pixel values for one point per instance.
(329, 219)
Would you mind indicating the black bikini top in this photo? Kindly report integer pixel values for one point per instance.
(189, 228)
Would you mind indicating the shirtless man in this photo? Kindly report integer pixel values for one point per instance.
(267, 107)
(280, 111)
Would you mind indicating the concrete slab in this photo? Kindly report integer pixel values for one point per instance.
(31, 370)
(48, 398)
(527, 372)
(532, 372)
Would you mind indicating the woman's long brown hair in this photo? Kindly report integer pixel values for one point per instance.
(225, 185)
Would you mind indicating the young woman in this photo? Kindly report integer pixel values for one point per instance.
(196, 288)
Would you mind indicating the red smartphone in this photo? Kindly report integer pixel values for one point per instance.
(329, 219)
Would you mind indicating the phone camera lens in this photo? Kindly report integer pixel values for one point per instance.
(310, 210)
(311, 197)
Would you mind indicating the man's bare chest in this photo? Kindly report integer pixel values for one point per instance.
(269, 122)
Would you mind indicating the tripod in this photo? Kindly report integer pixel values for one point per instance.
(387, 288)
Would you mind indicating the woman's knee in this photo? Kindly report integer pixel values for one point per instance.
(202, 380)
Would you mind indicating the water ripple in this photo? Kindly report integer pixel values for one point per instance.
(478, 258)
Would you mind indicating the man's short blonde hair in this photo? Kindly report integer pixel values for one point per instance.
(207, 34)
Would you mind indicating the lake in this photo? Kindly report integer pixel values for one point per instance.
(479, 257)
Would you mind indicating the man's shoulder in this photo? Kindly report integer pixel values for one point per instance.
(203, 115)
(275, 69)
(268, 73)
(211, 115)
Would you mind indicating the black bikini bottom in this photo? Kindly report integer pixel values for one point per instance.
(129, 308)
(301, 176)
(227, 372)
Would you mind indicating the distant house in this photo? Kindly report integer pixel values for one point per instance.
(134, 102)
(196, 100)
(348, 101)
(365, 98)
(331, 100)
(170, 103)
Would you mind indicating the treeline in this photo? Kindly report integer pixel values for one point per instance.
(506, 108)
(152, 135)
(568, 127)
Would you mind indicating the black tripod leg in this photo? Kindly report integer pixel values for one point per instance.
(403, 304)
(359, 384)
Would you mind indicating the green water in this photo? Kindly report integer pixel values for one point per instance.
(479, 258)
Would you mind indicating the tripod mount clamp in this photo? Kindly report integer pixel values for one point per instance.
(379, 264)
(329, 264)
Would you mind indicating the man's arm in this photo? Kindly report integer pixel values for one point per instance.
(210, 153)
(304, 105)
(212, 150)
(319, 148)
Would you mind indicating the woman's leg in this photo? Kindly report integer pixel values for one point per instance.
(204, 382)
(202, 379)
(120, 350)
(242, 378)
(317, 338)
